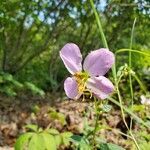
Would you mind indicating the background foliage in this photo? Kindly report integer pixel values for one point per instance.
(33, 31)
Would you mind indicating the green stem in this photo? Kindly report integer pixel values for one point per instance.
(140, 83)
(130, 65)
(99, 25)
(131, 50)
(96, 103)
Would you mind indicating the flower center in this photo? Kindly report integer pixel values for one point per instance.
(81, 78)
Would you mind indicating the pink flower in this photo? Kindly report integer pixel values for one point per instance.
(95, 66)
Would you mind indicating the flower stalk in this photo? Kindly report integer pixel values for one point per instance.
(113, 71)
(96, 104)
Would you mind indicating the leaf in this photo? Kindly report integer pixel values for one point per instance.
(17, 84)
(23, 140)
(106, 108)
(110, 146)
(58, 140)
(36, 142)
(66, 134)
(58, 116)
(138, 108)
(34, 88)
(145, 146)
(114, 147)
(66, 137)
(1, 79)
(32, 127)
(53, 131)
(76, 138)
(49, 141)
(80, 142)
(84, 145)
(8, 77)
(35, 109)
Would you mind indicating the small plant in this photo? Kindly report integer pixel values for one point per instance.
(39, 139)
(10, 86)
(85, 140)
(33, 88)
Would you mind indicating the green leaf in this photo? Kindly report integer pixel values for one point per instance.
(34, 88)
(58, 140)
(35, 109)
(66, 134)
(138, 108)
(66, 137)
(36, 143)
(17, 84)
(131, 50)
(9, 91)
(23, 140)
(53, 131)
(8, 77)
(84, 145)
(114, 147)
(1, 79)
(110, 146)
(49, 141)
(76, 138)
(81, 143)
(145, 146)
(58, 116)
(106, 108)
(32, 127)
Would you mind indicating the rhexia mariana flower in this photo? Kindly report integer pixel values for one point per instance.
(91, 77)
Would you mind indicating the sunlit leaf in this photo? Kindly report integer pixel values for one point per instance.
(36, 143)
(110, 146)
(53, 131)
(48, 141)
(66, 137)
(32, 127)
(23, 140)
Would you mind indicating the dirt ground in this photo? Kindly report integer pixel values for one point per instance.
(17, 112)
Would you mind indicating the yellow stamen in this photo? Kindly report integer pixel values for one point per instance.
(81, 78)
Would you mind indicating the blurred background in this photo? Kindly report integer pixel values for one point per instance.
(32, 32)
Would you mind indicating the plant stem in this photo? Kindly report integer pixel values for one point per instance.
(140, 83)
(113, 69)
(132, 50)
(99, 25)
(130, 65)
(96, 104)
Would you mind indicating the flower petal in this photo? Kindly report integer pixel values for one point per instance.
(100, 86)
(98, 62)
(72, 58)
(71, 88)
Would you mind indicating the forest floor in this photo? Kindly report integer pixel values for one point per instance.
(15, 113)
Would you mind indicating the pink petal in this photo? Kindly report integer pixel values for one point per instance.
(100, 86)
(71, 88)
(98, 62)
(72, 58)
